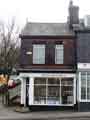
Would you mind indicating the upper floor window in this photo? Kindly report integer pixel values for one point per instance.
(38, 54)
(59, 54)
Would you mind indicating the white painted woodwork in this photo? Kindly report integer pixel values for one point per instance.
(31, 90)
(58, 75)
(83, 66)
(23, 91)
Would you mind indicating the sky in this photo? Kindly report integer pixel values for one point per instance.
(39, 10)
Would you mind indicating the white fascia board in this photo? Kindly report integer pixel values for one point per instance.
(47, 75)
(83, 65)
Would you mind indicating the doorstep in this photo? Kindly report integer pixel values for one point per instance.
(22, 109)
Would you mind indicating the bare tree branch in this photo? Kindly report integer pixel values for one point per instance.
(9, 47)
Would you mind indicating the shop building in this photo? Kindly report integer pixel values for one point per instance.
(54, 63)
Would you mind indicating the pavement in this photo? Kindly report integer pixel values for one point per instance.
(9, 113)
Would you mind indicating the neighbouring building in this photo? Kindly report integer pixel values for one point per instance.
(83, 67)
(55, 63)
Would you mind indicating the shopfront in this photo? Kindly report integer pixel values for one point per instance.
(49, 89)
(83, 87)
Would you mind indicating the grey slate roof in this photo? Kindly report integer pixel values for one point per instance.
(40, 29)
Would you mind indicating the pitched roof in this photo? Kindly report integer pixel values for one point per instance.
(47, 29)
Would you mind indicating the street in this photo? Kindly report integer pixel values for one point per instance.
(51, 119)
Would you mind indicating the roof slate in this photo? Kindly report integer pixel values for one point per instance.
(46, 29)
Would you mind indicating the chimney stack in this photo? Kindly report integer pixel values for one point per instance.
(73, 14)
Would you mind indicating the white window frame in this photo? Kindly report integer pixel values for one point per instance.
(37, 59)
(80, 99)
(60, 104)
(59, 59)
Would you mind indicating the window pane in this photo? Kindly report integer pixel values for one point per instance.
(40, 81)
(67, 90)
(67, 82)
(88, 79)
(83, 85)
(88, 93)
(59, 51)
(40, 90)
(53, 81)
(38, 54)
(83, 75)
(83, 79)
(40, 94)
(53, 95)
(83, 93)
(88, 85)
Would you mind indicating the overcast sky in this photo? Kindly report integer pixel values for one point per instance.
(39, 10)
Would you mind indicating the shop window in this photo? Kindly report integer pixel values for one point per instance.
(88, 85)
(40, 91)
(53, 91)
(85, 85)
(53, 88)
(67, 91)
